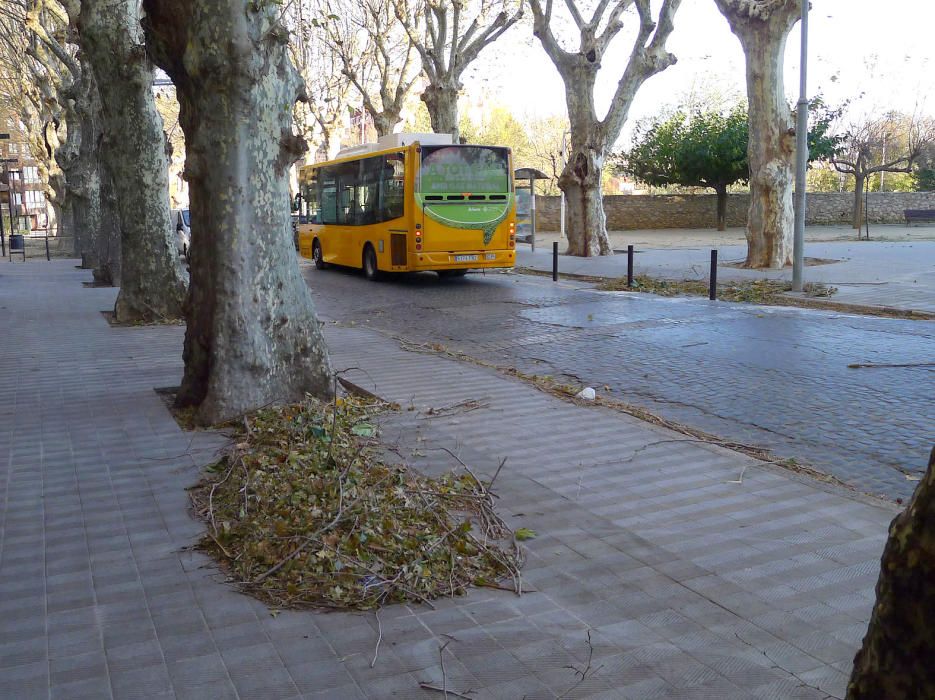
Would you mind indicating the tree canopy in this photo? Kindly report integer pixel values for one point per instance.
(702, 149)
(708, 148)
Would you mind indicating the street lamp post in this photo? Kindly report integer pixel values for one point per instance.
(11, 191)
(801, 161)
(3, 137)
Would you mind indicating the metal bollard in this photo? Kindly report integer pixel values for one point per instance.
(555, 261)
(629, 266)
(712, 278)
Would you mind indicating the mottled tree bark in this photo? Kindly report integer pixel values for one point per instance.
(441, 101)
(253, 337)
(152, 280)
(895, 661)
(763, 27)
(95, 220)
(109, 268)
(385, 122)
(585, 222)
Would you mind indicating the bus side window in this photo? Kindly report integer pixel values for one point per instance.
(328, 200)
(368, 185)
(346, 176)
(392, 186)
(311, 214)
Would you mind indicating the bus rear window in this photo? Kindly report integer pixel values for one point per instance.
(464, 169)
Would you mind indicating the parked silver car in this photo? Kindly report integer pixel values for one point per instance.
(182, 223)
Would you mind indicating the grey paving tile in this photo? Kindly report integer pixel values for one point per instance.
(80, 667)
(26, 681)
(350, 692)
(142, 682)
(198, 670)
(18, 653)
(92, 689)
(316, 676)
(273, 683)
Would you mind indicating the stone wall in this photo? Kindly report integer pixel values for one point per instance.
(698, 211)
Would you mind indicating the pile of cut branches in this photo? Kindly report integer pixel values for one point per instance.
(307, 510)
(758, 291)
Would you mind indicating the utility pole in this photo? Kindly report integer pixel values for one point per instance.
(801, 161)
(3, 137)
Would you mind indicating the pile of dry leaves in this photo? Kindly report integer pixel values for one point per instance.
(307, 510)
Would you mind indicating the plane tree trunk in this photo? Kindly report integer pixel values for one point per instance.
(109, 269)
(763, 29)
(385, 122)
(441, 101)
(895, 660)
(94, 217)
(152, 280)
(585, 222)
(76, 143)
(253, 337)
(857, 216)
(721, 191)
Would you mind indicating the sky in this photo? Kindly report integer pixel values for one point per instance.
(879, 59)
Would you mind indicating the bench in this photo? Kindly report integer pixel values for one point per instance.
(919, 215)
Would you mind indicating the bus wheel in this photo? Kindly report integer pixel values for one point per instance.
(316, 255)
(451, 273)
(371, 272)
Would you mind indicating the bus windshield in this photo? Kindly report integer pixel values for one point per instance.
(464, 169)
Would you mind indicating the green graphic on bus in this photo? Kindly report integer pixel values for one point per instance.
(457, 185)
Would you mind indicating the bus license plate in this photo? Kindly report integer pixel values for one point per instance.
(465, 258)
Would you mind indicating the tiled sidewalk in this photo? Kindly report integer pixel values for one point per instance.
(692, 585)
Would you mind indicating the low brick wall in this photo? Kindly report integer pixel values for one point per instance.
(699, 211)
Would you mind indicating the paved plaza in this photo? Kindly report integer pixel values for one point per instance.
(774, 377)
(896, 269)
(695, 571)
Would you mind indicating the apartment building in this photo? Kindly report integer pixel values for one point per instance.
(20, 184)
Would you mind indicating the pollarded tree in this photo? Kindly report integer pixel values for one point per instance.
(449, 35)
(252, 337)
(763, 27)
(376, 56)
(321, 114)
(889, 144)
(895, 660)
(89, 204)
(591, 137)
(152, 284)
(705, 149)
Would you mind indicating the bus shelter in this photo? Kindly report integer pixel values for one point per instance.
(526, 204)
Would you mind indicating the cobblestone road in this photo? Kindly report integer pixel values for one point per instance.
(767, 376)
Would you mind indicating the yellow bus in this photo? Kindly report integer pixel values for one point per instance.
(411, 202)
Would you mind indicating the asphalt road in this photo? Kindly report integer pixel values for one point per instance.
(774, 377)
